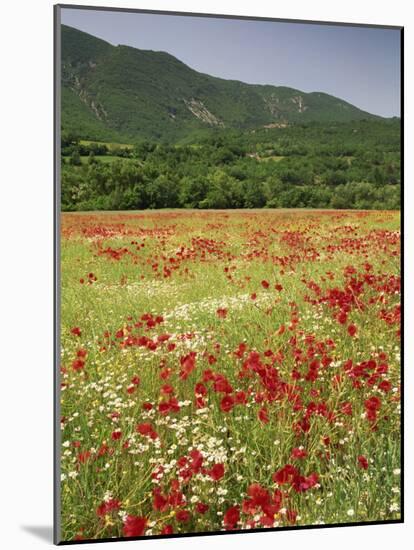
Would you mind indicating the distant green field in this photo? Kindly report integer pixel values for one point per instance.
(111, 145)
(275, 158)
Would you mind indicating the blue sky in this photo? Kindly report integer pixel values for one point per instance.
(358, 64)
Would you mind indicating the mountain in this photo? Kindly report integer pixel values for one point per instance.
(121, 93)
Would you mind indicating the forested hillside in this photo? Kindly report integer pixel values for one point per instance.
(119, 93)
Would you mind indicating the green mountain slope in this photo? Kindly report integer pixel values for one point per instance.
(122, 93)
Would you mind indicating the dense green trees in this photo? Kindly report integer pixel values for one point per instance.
(352, 165)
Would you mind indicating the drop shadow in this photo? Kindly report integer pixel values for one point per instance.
(43, 532)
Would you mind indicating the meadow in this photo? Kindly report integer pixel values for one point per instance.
(228, 370)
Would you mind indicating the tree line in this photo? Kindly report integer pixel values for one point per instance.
(348, 165)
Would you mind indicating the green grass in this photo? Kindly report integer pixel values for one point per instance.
(275, 158)
(110, 145)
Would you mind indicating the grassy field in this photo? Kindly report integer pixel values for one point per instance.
(111, 146)
(226, 370)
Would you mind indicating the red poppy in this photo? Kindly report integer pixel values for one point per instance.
(227, 403)
(134, 526)
(385, 386)
(299, 453)
(208, 375)
(135, 380)
(116, 435)
(84, 457)
(222, 385)
(187, 365)
(352, 330)
(76, 331)
(240, 398)
(147, 430)
(346, 408)
(373, 403)
(285, 474)
(265, 284)
(342, 317)
(200, 389)
(183, 516)
(301, 483)
(231, 517)
(196, 461)
(363, 462)
(171, 405)
(108, 506)
(216, 472)
(281, 330)
(372, 406)
(263, 415)
(201, 507)
(259, 496)
(159, 502)
(78, 364)
(199, 402)
(211, 360)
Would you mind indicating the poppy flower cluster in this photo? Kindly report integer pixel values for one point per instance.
(268, 399)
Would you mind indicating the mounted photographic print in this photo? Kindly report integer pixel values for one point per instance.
(228, 267)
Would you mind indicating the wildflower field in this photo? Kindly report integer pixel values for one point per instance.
(228, 370)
